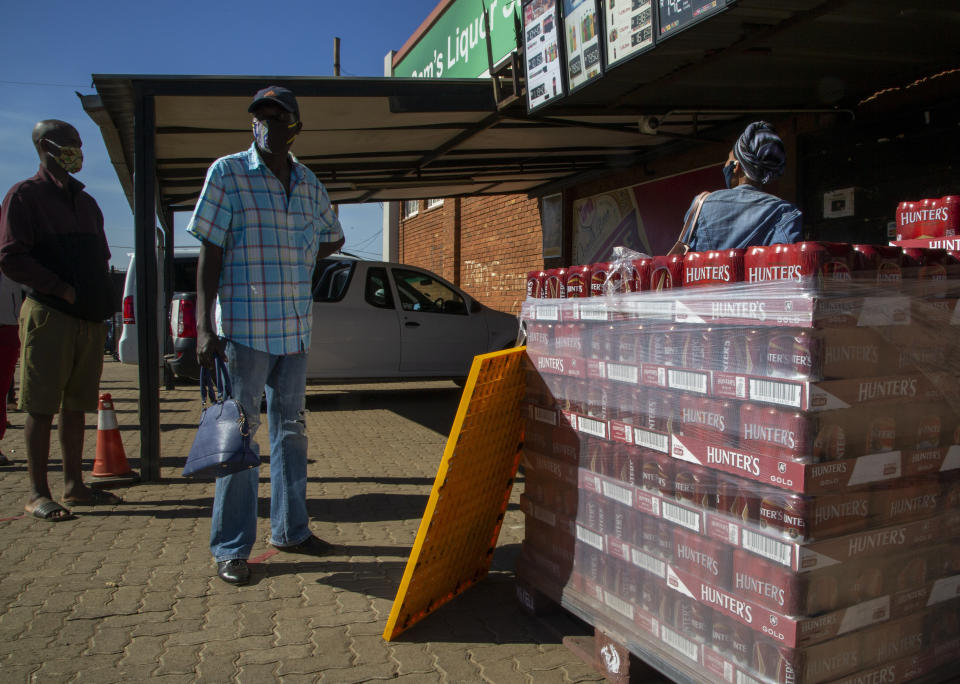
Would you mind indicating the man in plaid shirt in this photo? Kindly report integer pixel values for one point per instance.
(263, 220)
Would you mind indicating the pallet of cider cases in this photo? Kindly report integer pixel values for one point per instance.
(770, 522)
(781, 352)
(838, 460)
(613, 591)
(652, 482)
(804, 284)
(823, 264)
(916, 382)
(672, 626)
(758, 592)
(858, 579)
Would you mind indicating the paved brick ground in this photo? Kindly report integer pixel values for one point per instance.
(128, 593)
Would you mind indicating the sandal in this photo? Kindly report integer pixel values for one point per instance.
(48, 511)
(97, 497)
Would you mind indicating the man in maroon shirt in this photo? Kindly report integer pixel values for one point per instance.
(52, 241)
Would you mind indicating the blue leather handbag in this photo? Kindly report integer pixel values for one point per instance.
(223, 444)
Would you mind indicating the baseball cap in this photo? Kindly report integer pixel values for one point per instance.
(278, 95)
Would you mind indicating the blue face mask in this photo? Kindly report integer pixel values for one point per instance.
(728, 173)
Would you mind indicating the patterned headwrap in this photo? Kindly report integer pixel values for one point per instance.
(760, 152)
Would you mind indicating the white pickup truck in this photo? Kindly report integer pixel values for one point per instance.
(379, 320)
(371, 320)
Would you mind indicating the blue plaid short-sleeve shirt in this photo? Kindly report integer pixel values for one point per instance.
(270, 243)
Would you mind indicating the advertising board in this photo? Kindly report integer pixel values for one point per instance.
(541, 31)
(630, 28)
(584, 51)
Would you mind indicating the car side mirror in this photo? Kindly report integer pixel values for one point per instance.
(475, 306)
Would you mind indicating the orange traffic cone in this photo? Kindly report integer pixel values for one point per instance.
(111, 461)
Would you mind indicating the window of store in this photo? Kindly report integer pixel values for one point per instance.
(411, 208)
(434, 202)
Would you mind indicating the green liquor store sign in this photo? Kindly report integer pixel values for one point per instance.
(456, 45)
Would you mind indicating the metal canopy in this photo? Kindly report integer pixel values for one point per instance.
(367, 139)
(376, 139)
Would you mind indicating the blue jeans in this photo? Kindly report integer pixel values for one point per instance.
(233, 529)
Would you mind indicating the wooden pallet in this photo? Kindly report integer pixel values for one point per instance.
(588, 642)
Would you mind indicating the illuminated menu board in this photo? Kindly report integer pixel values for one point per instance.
(629, 27)
(676, 15)
(581, 27)
(541, 21)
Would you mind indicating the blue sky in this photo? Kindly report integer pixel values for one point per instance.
(49, 50)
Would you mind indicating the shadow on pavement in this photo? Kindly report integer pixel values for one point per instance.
(433, 408)
(367, 507)
(487, 612)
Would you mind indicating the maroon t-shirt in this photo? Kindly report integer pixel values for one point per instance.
(51, 234)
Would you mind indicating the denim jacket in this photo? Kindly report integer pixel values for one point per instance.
(742, 217)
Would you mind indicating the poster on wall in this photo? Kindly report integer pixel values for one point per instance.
(551, 223)
(676, 15)
(541, 32)
(581, 24)
(630, 29)
(646, 218)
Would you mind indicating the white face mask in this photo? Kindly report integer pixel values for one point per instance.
(261, 133)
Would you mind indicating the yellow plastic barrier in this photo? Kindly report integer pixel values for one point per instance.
(460, 526)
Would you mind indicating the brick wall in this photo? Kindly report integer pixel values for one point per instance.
(498, 240)
(422, 240)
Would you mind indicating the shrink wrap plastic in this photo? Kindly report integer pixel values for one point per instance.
(748, 461)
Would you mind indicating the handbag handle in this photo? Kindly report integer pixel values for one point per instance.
(691, 223)
(215, 386)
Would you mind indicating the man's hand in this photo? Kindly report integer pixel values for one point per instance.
(209, 346)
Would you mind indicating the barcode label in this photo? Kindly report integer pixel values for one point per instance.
(542, 415)
(590, 538)
(654, 309)
(687, 380)
(681, 516)
(743, 678)
(783, 393)
(651, 440)
(618, 604)
(678, 643)
(619, 373)
(548, 313)
(646, 562)
(768, 548)
(545, 515)
(618, 493)
(595, 311)
(597, 428)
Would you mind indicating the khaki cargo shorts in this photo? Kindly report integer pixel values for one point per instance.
(61, 358)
